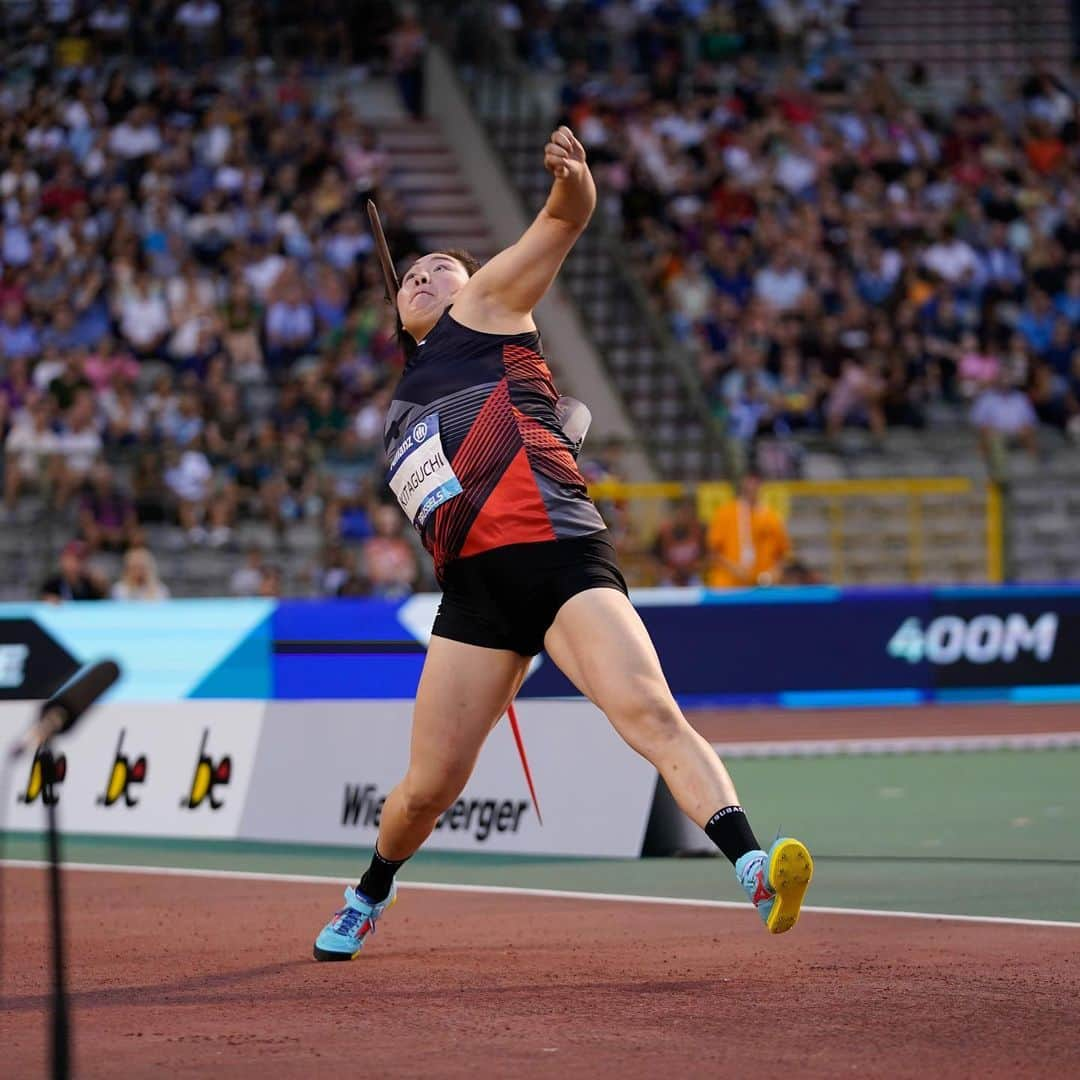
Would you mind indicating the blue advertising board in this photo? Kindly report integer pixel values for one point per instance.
(806, 647)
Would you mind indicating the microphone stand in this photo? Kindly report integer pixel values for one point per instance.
(58, 714)
(61, 1027)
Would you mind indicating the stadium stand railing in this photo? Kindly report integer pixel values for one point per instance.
(896, 530)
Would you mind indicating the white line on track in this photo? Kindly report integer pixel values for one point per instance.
(899, 744)
(510, 890)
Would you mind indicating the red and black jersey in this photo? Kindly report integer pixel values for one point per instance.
(496, 407)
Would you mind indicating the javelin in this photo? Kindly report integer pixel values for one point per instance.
(390, 281)
(382, 249)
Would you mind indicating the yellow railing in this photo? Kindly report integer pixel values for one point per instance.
(646, 505)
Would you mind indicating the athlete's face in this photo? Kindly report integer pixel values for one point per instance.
(427, 289)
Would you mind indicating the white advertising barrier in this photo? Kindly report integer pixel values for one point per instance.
(324, 768)
(317, 772)
(164, 769)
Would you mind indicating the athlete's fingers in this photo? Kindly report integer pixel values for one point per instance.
(563, 137)
(556, 166)
(572, 143)
(555, 150)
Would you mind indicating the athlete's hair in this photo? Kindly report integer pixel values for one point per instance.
(471, 264)
(466, 258)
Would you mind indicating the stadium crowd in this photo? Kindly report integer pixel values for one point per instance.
(836, 246)
(191, 328)
(186, 287)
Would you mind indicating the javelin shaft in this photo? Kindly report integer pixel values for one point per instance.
(524, 760)
(382, 249)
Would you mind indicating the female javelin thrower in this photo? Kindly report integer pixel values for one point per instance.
(480, 464)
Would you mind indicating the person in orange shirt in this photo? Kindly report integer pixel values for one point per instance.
(748, 543)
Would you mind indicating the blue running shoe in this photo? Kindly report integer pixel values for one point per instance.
(343, 936)
(776, 881)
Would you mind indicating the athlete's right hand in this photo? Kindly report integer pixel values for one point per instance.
(564, 156)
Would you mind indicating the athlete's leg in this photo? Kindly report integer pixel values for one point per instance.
(601, 644)
(463, 691)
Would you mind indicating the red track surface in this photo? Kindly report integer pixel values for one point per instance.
(767, 725)
(181, 976)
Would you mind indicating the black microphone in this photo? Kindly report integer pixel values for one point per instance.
(64, 708)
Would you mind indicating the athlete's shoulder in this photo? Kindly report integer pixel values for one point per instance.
(473, 310)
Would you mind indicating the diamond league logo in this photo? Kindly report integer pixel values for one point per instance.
(420, 431)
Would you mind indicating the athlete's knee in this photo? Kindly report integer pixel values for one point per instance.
(428, 796)
(647, 715)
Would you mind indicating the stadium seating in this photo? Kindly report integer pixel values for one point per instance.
(632, 277)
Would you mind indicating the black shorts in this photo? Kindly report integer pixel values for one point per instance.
(508, 598)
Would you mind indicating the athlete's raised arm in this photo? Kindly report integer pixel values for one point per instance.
(500, 296)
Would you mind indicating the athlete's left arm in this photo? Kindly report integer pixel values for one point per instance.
(503, 292)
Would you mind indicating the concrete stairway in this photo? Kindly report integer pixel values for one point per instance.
(439, 205)
(663, 410)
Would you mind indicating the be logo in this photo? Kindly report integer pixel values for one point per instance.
(124, 774)
(420, 432)
(209, 776)
(37, 784)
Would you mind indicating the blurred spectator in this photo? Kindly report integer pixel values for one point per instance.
(290, 324)
(74, 580)
(139, 578)
(1037, 321)
(339, 576)
(247, 578)
(407, 46)
(270, 581)
(748, 543)
(80, 446)
(198, 21)
(107, 518)
(1003, 414)
(856, 398)
(680, 546)
(1072, 399)
(18, 335)
(795, 393)
(143, 317)
(950, 257)
(31, 453)
(390, 562)
(203, 514)
(240, 318)
(780, 284)
(148, 488)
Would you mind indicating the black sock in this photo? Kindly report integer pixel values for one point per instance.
(378, 877)
(729, 830)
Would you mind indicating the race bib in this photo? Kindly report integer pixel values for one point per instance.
(420, 475)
